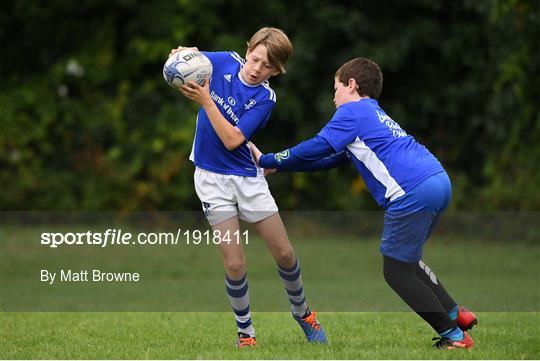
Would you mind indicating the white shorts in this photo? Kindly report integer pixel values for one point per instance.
(225, 196)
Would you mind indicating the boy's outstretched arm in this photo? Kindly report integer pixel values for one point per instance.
(332, 161)
(311, 155)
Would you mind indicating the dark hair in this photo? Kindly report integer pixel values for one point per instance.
(367, 74)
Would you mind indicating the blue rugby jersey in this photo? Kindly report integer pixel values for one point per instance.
(246, 106)
(390, 161)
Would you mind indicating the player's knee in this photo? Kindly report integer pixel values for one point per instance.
(236, 267)
(285, 257)
(396, 272)
(389, 275)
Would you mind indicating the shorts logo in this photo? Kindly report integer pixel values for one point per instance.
(282, 155)
(232, 102)
(206, 208)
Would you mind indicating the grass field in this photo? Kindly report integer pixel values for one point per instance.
(211, 336)
(364, 319)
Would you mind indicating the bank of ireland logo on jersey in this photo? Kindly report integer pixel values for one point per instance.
(391, 124)
(231, 101)
(250, 104)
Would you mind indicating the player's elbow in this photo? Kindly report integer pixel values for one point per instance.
(234, 140)
(232, 145)
(229, 146)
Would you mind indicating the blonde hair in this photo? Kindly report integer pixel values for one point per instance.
(278, 45)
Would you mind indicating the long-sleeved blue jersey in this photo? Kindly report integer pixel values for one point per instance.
(390, 161)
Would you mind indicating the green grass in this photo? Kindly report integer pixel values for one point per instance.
(211, 336)
(342, 276)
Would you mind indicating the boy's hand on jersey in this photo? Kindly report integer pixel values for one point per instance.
(180, 48)
(268, 171)
(256, 155)
(255, 151)
(197, 93)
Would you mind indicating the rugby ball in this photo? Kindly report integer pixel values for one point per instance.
(187, 65)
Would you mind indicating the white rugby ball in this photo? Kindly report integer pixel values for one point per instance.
(187, 65)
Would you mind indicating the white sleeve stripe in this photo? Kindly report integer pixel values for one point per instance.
(272, 92)
(377, 168)
(192, 154)
(237, 57)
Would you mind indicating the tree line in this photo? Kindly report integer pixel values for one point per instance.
(87, 122)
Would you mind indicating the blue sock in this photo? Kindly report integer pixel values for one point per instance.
(454, 334)
(453, 313)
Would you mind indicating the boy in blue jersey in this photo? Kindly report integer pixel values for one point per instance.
(235, 104)
(403, 177)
